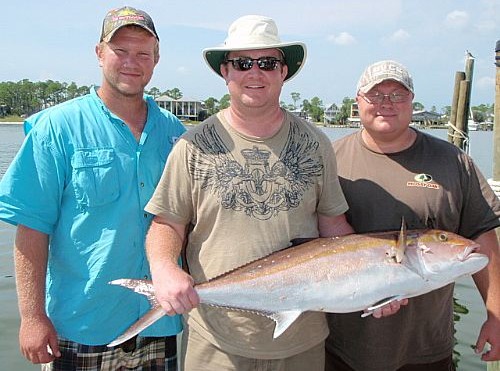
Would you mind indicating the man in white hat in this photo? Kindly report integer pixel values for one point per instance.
(389, 170)
(238, 187)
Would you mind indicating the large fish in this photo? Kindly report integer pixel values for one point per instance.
(339, 275)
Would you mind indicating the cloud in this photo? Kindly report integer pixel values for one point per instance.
(457, 19)
(182, 70)
(486, 82)
(344, 38)
(400, 36)
(486, 25)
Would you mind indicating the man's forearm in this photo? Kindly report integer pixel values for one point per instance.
(488, 279)
(30, 260)
(163, 244)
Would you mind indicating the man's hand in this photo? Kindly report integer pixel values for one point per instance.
(38, 339)
(389, 309)
(490, 333)
(174, 290)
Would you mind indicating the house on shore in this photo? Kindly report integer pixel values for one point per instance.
(426, 119)
(330, 114)
(183, 108)
(354, 120)
(302, 114)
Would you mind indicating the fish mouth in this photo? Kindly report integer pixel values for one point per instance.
(468, 252)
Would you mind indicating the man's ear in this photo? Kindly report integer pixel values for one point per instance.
(98, 52)
(284, 72)
(224, 71)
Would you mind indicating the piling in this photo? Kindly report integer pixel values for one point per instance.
(495, 366)
(460, 109)
(496, 125)
(459, 76)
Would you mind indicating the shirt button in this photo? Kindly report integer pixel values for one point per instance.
(145, 215)
(142, 184)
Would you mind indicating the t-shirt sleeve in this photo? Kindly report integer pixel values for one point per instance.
(172, 198)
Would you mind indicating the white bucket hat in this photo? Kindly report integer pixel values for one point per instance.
(253, 32)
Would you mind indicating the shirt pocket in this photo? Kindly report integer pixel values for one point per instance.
(95, 176)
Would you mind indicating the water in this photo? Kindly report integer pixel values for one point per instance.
(11, 136)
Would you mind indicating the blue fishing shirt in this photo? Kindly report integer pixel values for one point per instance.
(83, 179)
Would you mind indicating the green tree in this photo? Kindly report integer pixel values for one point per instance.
(25, 97)
(211, 105)
(482, 112)
(72, 91)
(295, 98)
(224, 102)
(345, 110)
(154, 92)
(174, 93)
(417, 106)
(316, 109)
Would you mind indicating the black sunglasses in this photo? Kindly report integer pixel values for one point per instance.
(246, 63)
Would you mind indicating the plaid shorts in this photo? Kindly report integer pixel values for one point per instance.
(138, 353)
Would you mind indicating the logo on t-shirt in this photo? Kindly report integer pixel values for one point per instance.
(423, 181)
(256, 183)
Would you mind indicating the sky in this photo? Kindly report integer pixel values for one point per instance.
(55, 40)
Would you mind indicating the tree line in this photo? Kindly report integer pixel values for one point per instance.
(23, 98)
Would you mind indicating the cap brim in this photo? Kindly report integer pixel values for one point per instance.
(295, 55)
(365, 89)
(108, 37)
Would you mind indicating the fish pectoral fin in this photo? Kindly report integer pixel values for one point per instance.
(145, 321)
(283, 320)
(369, 311)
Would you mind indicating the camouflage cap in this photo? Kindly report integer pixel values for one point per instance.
(125, 16)
(381, 71)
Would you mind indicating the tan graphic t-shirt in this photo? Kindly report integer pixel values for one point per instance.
(245, 198)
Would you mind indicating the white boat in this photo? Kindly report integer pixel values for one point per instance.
(472, 125)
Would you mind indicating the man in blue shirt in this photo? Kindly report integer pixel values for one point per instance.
(76, 191)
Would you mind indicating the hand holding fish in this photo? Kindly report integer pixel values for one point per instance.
(174, 290)
(389, 309)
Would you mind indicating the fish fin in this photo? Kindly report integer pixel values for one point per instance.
(283, 320)
(148, 319)
(369, 311)
(143, 287)
(401, 245)
(397, 253)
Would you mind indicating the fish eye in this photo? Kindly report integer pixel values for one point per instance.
(443, 237)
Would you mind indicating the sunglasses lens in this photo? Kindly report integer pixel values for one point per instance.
(243, 64)
(264, 63)
(267, 64)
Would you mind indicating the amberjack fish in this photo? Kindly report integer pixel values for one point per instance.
(340, 274)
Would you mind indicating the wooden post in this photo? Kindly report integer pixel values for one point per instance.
(495, 366)
(459, 76)
(461, 120)
(496, 125)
